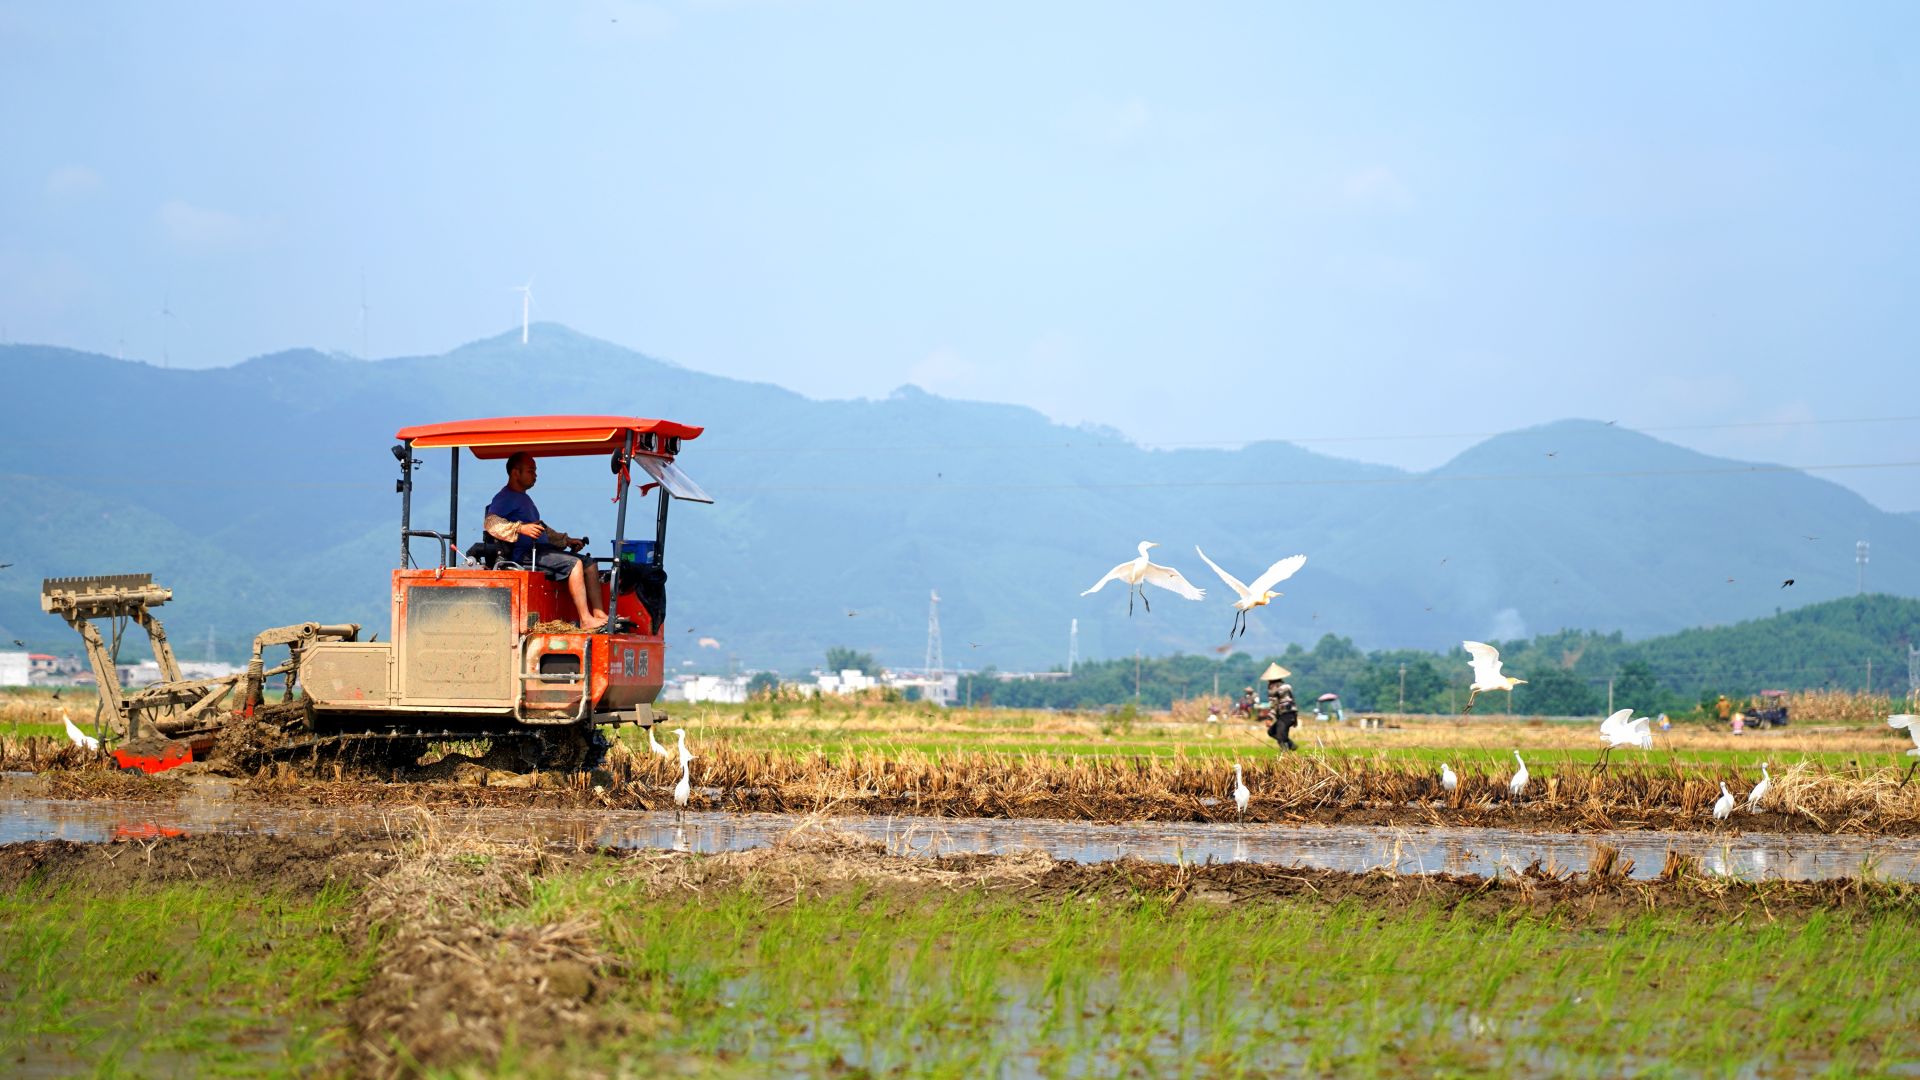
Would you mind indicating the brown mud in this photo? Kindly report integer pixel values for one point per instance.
(1805, 799)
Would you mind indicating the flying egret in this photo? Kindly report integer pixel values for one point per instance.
(1907, 720)
(653, 744)
(1139, 573)
(1619, 730)
(681, 735)
(1760, 790)
(1518, 785)
(1240, 793)
(682, 789)
(1449, 780)
(1723, 806)
(1258, 594)
(1486, 672)
(80, 738)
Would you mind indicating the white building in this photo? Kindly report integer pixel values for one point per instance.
(720, 689)
(16, 669)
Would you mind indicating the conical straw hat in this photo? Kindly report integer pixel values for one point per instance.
(1274, 671)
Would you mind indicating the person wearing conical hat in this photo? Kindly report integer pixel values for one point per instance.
(1282, 715)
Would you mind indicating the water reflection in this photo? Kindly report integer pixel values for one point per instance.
(1405, 850)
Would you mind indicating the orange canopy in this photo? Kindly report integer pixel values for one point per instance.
(546, 436)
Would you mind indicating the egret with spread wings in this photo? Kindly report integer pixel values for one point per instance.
(1620, 730)
(1139, 573)
(1258, 594)
(1486, 671)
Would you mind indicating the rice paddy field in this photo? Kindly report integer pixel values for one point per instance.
(416, 950)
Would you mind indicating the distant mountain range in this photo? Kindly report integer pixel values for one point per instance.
(263, 494)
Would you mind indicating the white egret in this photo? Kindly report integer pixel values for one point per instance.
(1449, 780)
(653, 744)
(1619, 730)
(1140, 573)
(682, 789)
(1486, 672)
(80, 738)
(1241, 795)
(1258, 594)
(1723, 806)
(1760, 790)
(1907, 720)
(681, 735)
(1518, 785)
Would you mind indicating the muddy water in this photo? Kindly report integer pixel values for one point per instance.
(208, 809)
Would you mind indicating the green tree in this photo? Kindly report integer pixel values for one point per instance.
(762, 683)
(1637, 688)
(1556, 691)
(841, 658)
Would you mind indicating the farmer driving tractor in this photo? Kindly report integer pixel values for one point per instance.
(512, 518)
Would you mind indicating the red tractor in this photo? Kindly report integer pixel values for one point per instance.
(480, 648)
(486, 648)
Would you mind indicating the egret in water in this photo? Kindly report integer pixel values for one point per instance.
(1486, 672)
(681, 735)
(1619, 730)
(653, 744)
(682, 789)
(1140, 573)
(1258, 594)
(1907, 720)
(1518, 785)
(1760, 790)
(1449, 780)
(80, 738)
(1723, 806)
(1241, 796)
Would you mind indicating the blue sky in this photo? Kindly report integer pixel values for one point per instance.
(1192, 223)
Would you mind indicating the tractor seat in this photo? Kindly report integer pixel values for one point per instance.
(493, 554)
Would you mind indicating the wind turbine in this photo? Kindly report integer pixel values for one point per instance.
(526, 307)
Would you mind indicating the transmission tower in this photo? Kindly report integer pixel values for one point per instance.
(936, 664)
(1073, 645)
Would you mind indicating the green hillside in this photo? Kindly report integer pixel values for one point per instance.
(264, 494)
(1822, 646)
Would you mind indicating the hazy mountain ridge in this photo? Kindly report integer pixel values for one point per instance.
(267, 492)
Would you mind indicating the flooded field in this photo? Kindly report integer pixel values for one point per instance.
(210, 810)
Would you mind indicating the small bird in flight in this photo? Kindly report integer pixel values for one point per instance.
(1786, 583)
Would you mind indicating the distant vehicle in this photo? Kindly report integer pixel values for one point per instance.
(1772, 709)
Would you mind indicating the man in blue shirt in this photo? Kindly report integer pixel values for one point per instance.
(512, 518)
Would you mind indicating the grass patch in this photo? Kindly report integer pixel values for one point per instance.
(176, 979)
(976, 983)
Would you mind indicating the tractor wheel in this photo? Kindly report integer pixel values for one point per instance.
(571, 749)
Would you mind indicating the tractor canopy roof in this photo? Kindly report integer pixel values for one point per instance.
(552, 436)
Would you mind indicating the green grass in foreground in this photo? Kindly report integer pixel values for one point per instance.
(176, 980)
(972, 984)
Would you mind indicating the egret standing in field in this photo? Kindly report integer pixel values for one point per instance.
(1908, 721)
(1518, 785)
(1241, 796)
(653, 744)
(1140, 573)
(1760, 790)
(681, 735)
(683, 789)
(1449, 781)
(1258, 594)
(1486, 672)
(80, 738)
(1618, 730)
(1723, 806)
